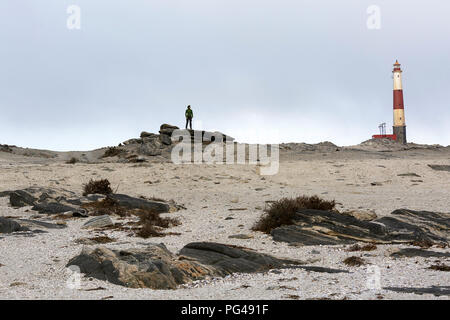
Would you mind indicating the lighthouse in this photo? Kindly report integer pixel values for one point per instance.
(399, 128)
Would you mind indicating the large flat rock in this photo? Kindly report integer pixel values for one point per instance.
(55, 201)
(315, 227)
(157, 268)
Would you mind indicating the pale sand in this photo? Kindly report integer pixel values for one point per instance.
(34, 267)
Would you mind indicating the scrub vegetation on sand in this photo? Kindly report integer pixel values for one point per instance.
(282, 212)
(97, 187)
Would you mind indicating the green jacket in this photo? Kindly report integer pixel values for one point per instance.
(189, 114)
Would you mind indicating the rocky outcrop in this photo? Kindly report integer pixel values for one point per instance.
(56, 201)
(315, 227)
(434, 290)
(415, 252)
(10, 226)
(45, 200)
(149, 149)
(138, 203)
(167, 129)
(225, 259)
(157, 268)
(98, 222)
(5, 148)
(439, 167)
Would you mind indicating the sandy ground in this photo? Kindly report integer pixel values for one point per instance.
(34, 267)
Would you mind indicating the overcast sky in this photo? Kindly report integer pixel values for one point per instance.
(259, 70)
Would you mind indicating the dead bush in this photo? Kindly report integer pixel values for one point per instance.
(282, 212)
(97, 186)
(107, 206)
(112, 152)
(354, 262)
(367, 247)
(72, 160)
(440, 267)
(152, 224)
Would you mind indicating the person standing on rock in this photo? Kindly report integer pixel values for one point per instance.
(189, 115)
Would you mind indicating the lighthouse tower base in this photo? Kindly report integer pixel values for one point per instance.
(400, 132)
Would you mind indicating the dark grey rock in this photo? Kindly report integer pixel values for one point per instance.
(157, 268)
(241, 236)
(439, 167)
(98, 222)
(149, 149)
(167, 129)
(410, 174)
(145, 134)
(315, 227)
(21, 198)
(165, 139)
(434, 290)
(137, 203)
(10, 226)
(58, 201)
(322, 269)
(31, 223)
(53, 208)
(415, 252)
(228, 259)
(132, 141)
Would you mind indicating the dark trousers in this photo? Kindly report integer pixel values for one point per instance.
(189, 120)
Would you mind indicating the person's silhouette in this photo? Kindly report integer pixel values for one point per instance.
(189, 115)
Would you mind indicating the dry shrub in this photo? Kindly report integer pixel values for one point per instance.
(367, 247)
(152, 224)
(107, 206)
(354, 261)
(97, 187)
(72, 160)
(440, 267)
(282, 212)
(102, 239)
(112, 152)
(424, 244)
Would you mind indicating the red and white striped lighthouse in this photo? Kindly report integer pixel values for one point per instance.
(399, 128)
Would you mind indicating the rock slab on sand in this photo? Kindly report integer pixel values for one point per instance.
(316, 227)
(157, 268)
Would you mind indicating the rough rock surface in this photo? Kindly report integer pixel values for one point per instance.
(434, 290)
(361, 215)
(415, 252)
(439, 167)
(148, 149)
(137, 203)
(98, 222)
(10, 226)
(44, 200)
(315, 227)
(157, 268)
(54, 201)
